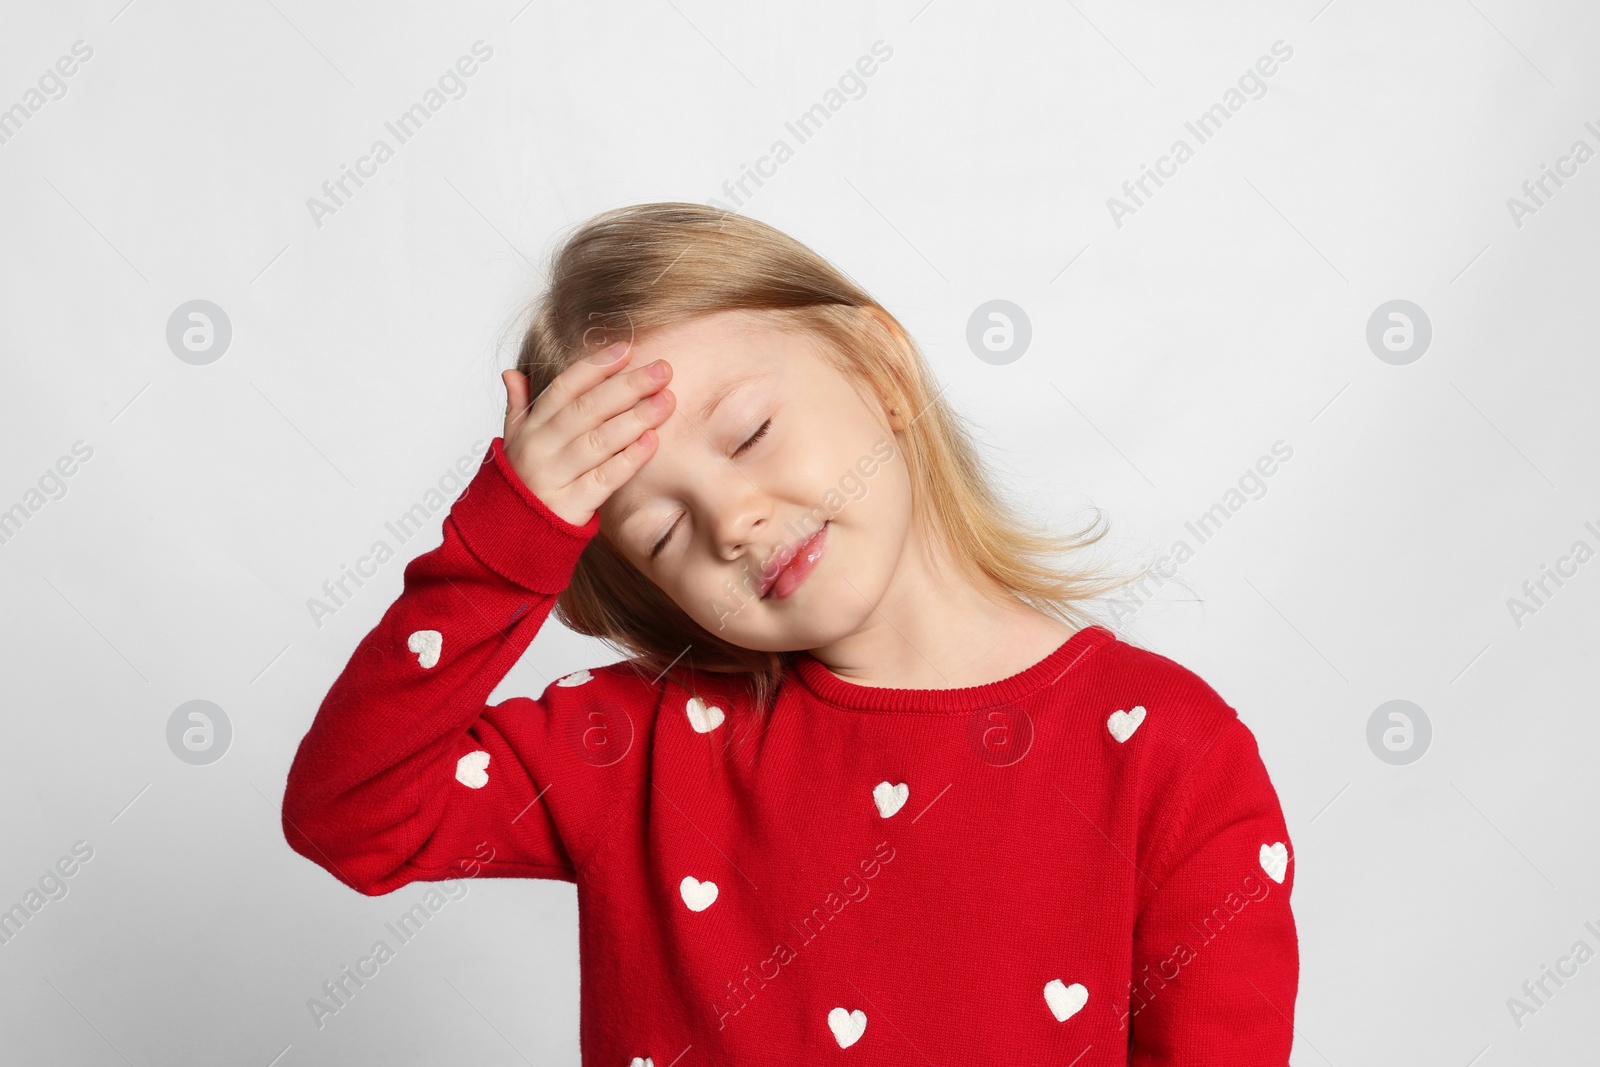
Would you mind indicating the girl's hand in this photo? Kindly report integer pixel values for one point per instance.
(589, 431)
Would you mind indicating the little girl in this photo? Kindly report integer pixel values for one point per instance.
(869, 787)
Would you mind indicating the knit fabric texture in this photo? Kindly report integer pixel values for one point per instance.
(1082, 864)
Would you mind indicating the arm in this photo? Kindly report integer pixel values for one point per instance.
(405, 774)
(1215, 955)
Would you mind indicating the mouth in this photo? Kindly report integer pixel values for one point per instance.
(784, 572)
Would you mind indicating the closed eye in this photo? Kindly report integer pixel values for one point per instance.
(758, 435)
(655, 549)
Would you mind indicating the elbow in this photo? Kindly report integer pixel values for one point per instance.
(369, 870)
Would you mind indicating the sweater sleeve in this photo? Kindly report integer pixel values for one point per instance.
(406, 774)
(1216, 959)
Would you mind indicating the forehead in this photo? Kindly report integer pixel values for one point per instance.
(722, 354)
(713, 357)
(709, 350)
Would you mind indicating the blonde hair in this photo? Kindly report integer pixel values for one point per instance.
(635, 268)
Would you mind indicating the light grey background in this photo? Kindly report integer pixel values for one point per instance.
(1168, 354)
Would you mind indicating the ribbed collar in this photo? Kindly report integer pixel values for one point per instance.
(831, 689)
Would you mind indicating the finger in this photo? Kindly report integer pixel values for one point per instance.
(516, 384)
(580, 456)
(582, 375)
(596, 487)
(606, 400)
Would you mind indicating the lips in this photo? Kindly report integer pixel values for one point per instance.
(791, 564)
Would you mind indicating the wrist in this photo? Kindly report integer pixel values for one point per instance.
(515, 533)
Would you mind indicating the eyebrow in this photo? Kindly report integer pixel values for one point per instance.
(709, 408)
(726, 389)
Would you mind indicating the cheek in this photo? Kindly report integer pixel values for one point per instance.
(680, 586)
(831, 469)
(885, 492)
(881, 521)
(809, 463)
(703, 593)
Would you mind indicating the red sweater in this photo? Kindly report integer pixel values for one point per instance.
(1081, 864)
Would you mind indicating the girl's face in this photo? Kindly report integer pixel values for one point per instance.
(768, 444)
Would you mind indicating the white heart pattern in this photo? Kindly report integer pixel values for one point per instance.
(890, 798)
(1065, 1000)
(426, 644)
(575, 678)
(847, 1026)
(704, 718)
(1122, 724)
(697, 895)
(472, 770)
(637, 1062)
(1275, 860)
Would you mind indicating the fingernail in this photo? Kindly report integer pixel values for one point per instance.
(658, 370)
(614, 352)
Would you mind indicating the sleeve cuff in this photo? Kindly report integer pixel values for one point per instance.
(513, 532)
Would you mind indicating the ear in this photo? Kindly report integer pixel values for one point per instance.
(896, 355)
(898, 420)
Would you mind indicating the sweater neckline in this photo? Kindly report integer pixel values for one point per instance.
(831, 689)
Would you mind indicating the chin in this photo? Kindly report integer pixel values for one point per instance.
(799, 631)
(761, 642)
(820, 627)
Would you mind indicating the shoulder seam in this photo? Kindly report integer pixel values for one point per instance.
(1160, 862)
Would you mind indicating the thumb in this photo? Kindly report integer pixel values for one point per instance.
(516, 384)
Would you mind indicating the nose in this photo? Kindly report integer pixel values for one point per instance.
(741, 514)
